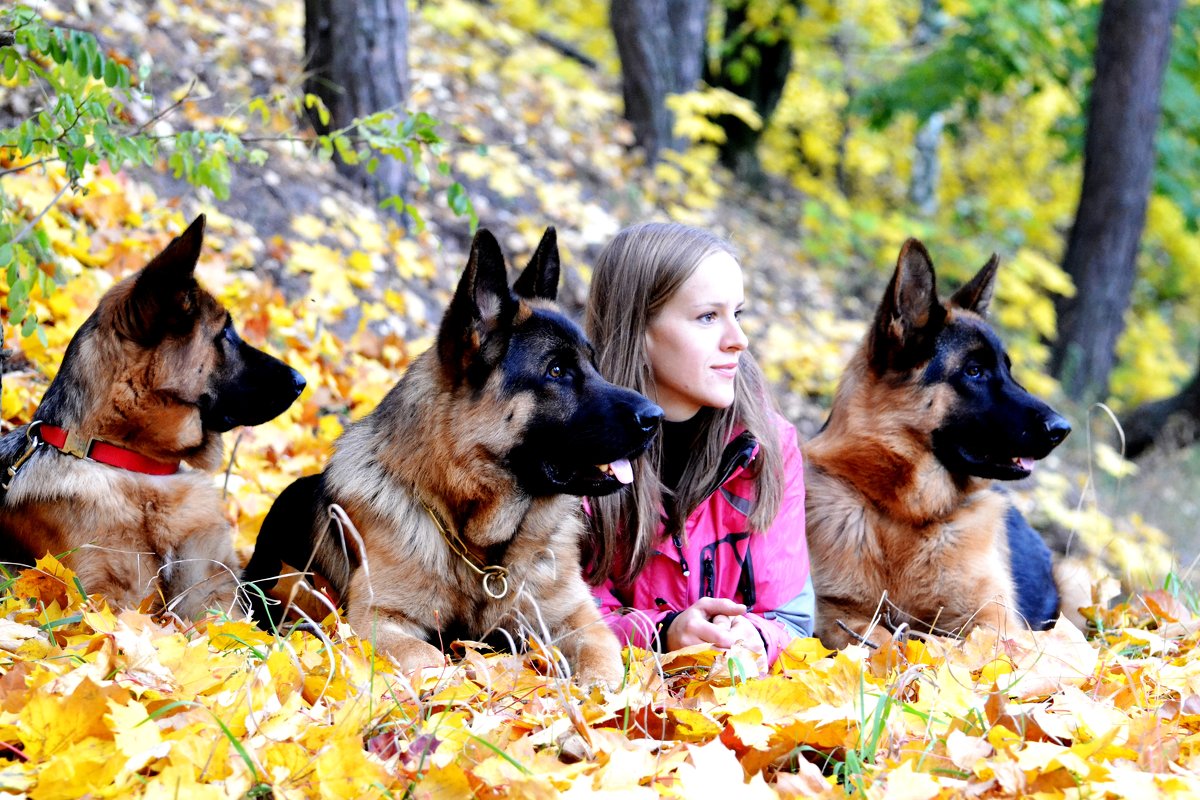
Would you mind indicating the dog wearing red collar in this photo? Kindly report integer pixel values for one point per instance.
(114, 474)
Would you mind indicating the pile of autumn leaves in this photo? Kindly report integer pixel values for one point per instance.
(99, 703)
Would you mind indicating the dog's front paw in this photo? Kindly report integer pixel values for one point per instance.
(600, 667)
(413, 655)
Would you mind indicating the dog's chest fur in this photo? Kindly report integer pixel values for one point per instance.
(94, 498)
(375, 480)
(116, 529)
(403, 547)
(931, 569)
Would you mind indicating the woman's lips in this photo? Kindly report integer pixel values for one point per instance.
(726, 370)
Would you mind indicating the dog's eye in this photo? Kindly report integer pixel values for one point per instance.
(226, 334)
(555, 371)
(972, 370)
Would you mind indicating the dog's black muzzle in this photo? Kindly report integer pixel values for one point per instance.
(1001, 442)
(590, 453)
(249, 389)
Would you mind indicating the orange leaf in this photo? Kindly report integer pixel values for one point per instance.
(1165, 606)
(49, 582)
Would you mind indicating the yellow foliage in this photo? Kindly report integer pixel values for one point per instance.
(1149, 366)
(809, 361)
(1140, 551)
(692, 109)
(584, 22)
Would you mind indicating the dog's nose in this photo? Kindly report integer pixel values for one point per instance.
(1057, 429)
(648, 417)
(298, 382)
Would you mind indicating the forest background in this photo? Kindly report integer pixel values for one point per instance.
(816, 135)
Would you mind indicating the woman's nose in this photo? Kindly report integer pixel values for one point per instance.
(735, 337)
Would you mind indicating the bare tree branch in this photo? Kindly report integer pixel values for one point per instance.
(25, 231)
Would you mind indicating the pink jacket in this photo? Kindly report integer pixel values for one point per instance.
(767, 571)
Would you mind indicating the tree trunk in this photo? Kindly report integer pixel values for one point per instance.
(841, 171)
(1171, 423)
(1132, 44)
(763, 61)
(927, 168)
(661, 46)
(358, 65)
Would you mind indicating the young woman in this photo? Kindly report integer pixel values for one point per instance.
(708, 544)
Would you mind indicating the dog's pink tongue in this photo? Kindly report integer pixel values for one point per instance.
(623, 470)
(1025, 464)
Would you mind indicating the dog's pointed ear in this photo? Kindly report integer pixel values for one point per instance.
(910, 315)
(539, 279)
(976, 294)
(480, 312)
(162, 298)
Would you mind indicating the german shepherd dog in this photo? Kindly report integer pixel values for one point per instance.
(150, 381)
(903, 517)
(464, 483)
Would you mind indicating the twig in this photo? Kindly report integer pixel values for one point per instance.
(566, 49)
(23, 167)
(169, 108)
(229, 468)
(16, 751)
(25, 231)
(857, 636)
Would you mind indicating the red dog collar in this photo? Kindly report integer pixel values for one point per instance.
(73, 444)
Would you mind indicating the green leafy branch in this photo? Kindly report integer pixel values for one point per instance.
(86, 95)
(410, 137)
(85, 120)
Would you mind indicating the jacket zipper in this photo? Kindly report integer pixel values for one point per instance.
(738, 453)
(683, 565)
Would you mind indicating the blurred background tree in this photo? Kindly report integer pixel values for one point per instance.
(751, 57)
(357, 56)
(1132, 44)
(661, 43)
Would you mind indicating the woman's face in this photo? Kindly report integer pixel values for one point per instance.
(695, 341)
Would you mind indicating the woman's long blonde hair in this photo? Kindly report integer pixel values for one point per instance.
(637, 273)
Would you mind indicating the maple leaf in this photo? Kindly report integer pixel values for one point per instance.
(136, 736)
(905, 783)
(51, 584)
(14, 635)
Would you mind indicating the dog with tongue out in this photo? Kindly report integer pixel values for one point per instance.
(452, 510)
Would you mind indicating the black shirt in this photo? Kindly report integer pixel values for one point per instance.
(678, 447)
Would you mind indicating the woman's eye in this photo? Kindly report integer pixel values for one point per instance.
(711, 316)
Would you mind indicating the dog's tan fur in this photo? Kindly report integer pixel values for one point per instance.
(409, 574)
(884, 516)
